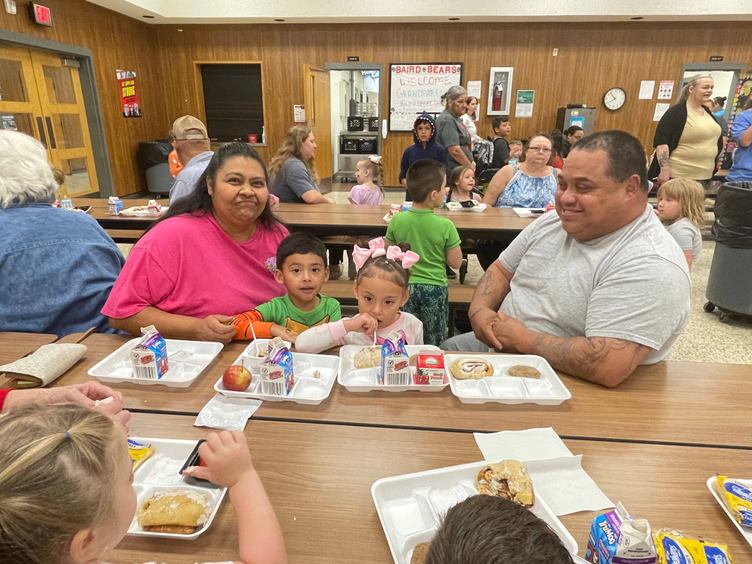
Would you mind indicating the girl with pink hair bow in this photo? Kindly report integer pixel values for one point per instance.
(381, 290)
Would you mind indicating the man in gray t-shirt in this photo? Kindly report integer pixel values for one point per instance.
(597, 288)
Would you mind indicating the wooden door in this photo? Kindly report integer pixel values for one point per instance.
(61, 98)
(318, 110)
(20, 108)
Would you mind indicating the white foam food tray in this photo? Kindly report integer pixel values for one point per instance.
(161, 473)
(315, 375)
(713, 487)
(366, 379)
(501, 388)
(412, 506)
(187, 360)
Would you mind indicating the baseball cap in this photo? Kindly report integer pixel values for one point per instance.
(188, 127)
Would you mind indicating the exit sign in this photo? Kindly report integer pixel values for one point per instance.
(41, 14)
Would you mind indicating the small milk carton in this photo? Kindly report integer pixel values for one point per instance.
(277, 375)
(616, 538)
(149, 356)
(430, 368)
(114, 205)
(395, 362)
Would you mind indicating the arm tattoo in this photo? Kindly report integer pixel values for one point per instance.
(662, 156)
(581, 356)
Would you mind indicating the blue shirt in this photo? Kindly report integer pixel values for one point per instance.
(57, 268)
(741, 170)
(186, 180)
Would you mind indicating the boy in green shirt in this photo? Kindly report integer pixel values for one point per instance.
(436, 240)
(301, 267)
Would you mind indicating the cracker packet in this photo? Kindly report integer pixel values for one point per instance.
(149, 356)
(617, 538)
(395, 362)
(738, 497)
(277, 375)
(676, 548)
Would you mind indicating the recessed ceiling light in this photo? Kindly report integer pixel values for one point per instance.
(278, 20)
(636, 18)
(180, 29)
(148, 17)
(454, 19)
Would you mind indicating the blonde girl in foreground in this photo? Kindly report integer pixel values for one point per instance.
(681, 208)
(66, 488)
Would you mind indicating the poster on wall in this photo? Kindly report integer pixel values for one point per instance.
(415, 88)
(665, 89)
(499, 91)
(524, 106)
(130, 102)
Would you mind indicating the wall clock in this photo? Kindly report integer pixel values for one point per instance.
(614, 98)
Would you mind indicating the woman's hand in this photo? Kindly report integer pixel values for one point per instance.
(89, 394)
(227, 459)
(215, 328)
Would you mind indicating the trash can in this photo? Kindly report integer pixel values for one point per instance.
(152, 158)
(729, 287)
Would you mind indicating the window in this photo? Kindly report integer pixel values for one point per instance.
(232, 101)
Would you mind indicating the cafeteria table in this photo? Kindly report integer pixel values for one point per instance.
(683, 403)
(337, 219)
(319, 479)
(16, 345)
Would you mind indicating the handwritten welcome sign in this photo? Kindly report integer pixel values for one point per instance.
(417, 88)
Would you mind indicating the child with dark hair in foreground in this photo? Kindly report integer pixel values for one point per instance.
(486, 529)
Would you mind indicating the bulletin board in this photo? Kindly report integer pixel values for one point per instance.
(417, 87)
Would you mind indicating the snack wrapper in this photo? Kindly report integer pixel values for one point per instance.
(154, 206)
(139, 452)
(738, 497)
(430, 368)
(676, 548)
(395, 362)
(149, 356)
(616, 538)
(277, 375)
(394, 209)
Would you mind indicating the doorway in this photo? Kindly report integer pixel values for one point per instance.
(355, 116)
(41, 95)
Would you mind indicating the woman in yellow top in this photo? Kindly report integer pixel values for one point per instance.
(688, 138)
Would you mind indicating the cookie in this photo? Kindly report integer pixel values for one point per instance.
(471, 368)
(523, 371)
(419, 553)
(508, 479)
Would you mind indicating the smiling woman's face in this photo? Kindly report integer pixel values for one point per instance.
(239, 193)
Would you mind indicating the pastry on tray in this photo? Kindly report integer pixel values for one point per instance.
(523, 371)
(180, 512)
(419, 553)
(508, 479)
(367, 357)
(471, 368)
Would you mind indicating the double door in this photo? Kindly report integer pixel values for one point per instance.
(40, 94)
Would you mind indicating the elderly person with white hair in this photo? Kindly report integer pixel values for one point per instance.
(57, 267)
(451, 133)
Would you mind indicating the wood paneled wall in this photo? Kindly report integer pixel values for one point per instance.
(117, 42)
(592, 57)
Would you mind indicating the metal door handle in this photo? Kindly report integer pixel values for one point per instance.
(40, 127)
(51, 132)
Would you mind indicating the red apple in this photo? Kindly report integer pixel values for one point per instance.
(237, 378)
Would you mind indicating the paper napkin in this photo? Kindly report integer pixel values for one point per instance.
(222, 412)
(557, 474)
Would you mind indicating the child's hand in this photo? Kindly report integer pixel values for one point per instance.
(227, 459)
(362, 323)
(283, 333)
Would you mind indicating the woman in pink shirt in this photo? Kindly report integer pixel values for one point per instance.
(210, 256)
